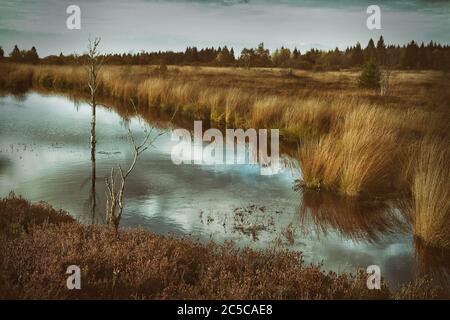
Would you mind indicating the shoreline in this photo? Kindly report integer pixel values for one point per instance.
(39, 242)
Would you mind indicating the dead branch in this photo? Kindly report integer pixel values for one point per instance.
(115, 192)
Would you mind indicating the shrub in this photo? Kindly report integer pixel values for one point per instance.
(135, 264)
(370, 76)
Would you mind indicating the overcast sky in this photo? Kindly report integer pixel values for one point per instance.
(136, 25)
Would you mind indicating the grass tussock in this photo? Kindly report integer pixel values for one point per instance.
(357, 157)
(431, 193)
(135, 264)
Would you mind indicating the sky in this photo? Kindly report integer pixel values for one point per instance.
(151, 25)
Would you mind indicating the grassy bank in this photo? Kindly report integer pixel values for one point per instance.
(352, 142)
(38, 243)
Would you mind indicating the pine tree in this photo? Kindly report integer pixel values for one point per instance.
(357, 58)
(370, 76)
(295, 54)
(369, 52)
(262, 56)
(31, 56)
(411, 56)
(381, 51)
(16, 55)
(224, 56)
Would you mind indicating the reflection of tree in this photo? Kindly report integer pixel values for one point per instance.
(116, 182)
(93, 66)
(356, 219)
(114, 194)
(433, 263)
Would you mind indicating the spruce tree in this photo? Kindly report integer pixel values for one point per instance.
(370, 76)
(381, 51)
(16, 55)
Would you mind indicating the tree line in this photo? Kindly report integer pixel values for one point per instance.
(411, 56)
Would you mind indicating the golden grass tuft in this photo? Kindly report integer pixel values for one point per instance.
(320, 163)
(368, 150)
(431, 193)
(267, 112)
(358, 156)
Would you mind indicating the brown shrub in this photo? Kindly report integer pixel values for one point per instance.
(17, 215)
(134, 264)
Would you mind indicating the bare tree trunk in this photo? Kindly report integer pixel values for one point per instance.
(115, 192)
(385, 82)
(386, 72)
(93, 164)
(93, 66)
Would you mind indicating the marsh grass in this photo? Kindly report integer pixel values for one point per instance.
(431, 193)
(351, 141)
(357, 157)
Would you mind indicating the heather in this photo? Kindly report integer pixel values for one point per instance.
(135, 264)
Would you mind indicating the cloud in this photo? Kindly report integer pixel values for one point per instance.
(136, 25)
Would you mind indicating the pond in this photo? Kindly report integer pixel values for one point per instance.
(45, 155)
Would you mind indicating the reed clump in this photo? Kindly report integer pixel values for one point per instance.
(431, 193)
(357, 156)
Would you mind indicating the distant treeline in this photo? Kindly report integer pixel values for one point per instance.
(411, 56)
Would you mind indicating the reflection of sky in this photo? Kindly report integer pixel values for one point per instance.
(44, 155)
(136, 25)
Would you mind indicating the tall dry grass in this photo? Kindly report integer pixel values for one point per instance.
(369, 151)
(351, 141)
(320, 162)
(358, 156)
(431, 193)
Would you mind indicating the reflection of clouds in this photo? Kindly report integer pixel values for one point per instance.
(169, 198)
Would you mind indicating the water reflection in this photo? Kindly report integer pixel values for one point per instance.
(358, 220)
(45, 155)
(433, 263)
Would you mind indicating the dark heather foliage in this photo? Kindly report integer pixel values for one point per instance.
(134, 264)
(17, 215)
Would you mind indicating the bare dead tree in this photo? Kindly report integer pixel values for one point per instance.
(116, 182)
(386, 72)
(93, 65)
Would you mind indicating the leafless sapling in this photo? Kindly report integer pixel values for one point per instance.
(116, 182)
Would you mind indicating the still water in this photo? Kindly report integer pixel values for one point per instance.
(45, 155)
